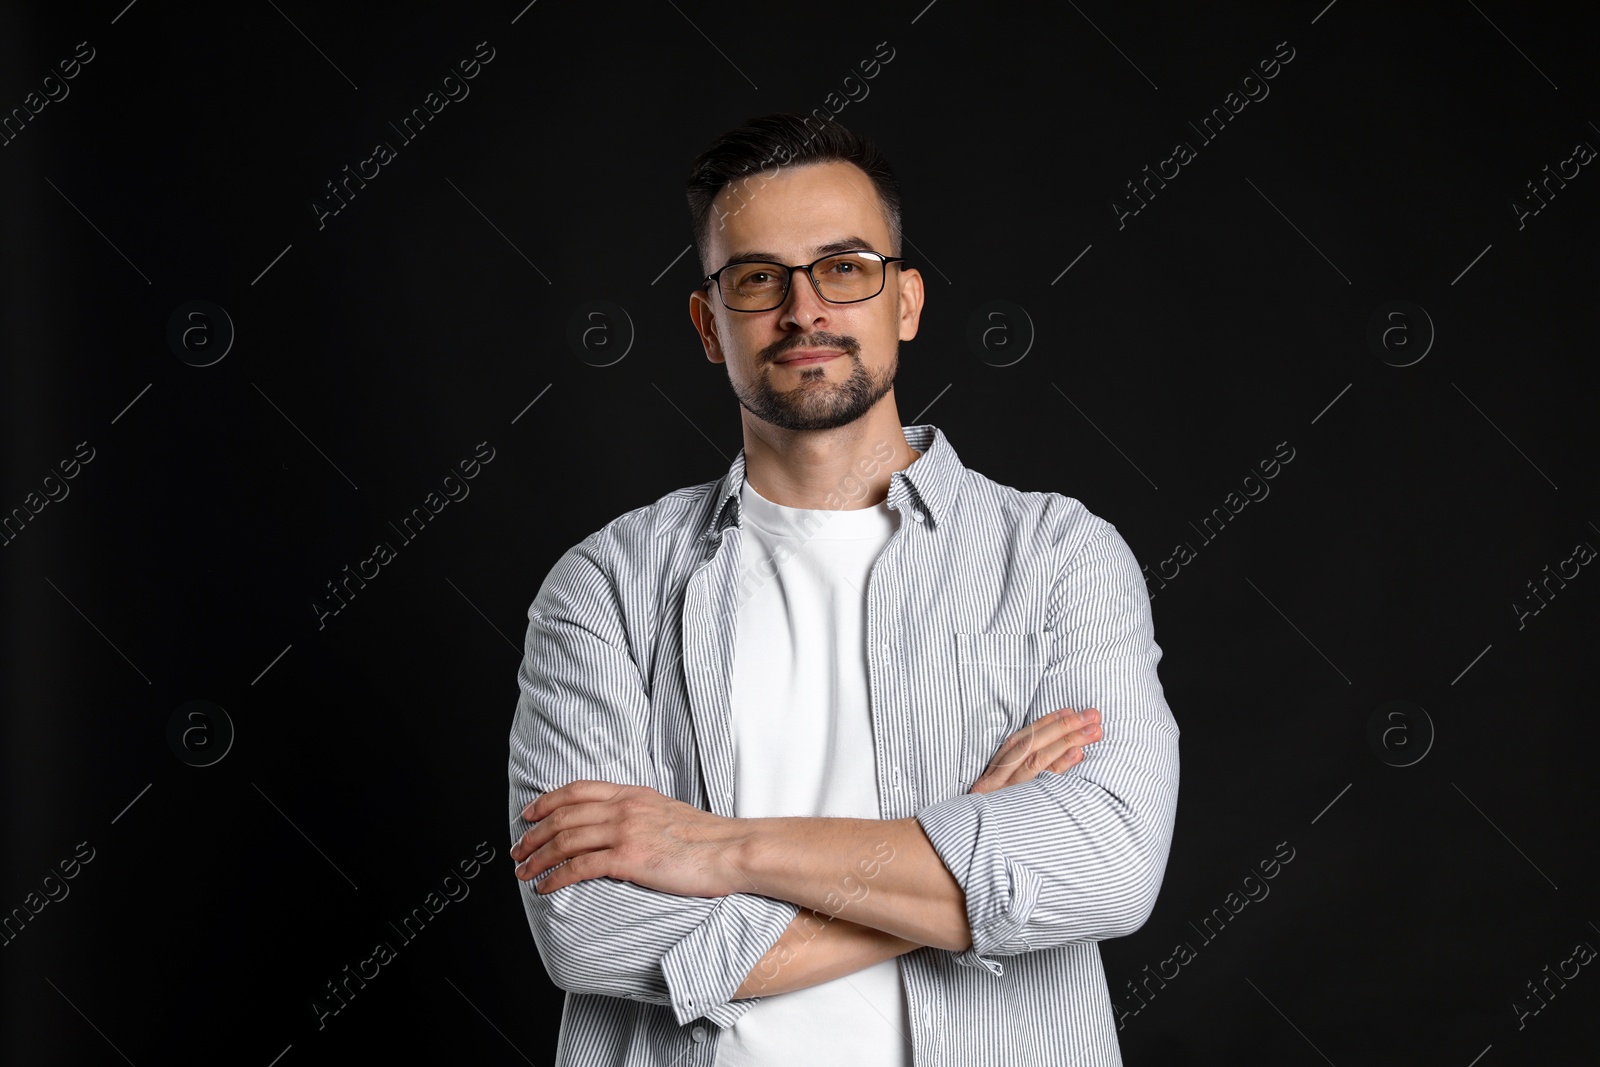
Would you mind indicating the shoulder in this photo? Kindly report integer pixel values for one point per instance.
(1056, 525)
(644, 538)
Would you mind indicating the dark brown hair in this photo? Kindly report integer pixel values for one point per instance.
(752, 154)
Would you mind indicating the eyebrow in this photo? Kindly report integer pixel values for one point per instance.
(846, 244)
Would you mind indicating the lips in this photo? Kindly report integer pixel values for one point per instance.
(808, 356)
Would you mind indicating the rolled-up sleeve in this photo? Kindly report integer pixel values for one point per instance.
(1080, 855)
(583, 713)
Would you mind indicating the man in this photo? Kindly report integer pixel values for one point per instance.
(795, 771)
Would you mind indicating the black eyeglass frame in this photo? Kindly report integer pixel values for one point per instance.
(788, 278)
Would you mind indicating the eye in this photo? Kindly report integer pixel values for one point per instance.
(756, 277)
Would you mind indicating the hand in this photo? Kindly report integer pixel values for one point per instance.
(630, 832)
(1054, 742)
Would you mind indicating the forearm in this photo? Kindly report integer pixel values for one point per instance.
(1063, 858)
(885, 871)
(617, 939)
(815, 949)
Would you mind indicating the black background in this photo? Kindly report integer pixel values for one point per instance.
(372, 354)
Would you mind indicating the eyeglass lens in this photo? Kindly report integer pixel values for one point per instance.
(842, 279)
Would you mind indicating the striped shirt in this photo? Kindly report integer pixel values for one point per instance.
(992, 608)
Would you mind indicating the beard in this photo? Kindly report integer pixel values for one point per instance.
(821, 400)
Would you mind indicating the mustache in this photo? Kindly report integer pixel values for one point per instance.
(847, 345)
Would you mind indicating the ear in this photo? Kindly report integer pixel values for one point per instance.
(910, 295)
(704, 317)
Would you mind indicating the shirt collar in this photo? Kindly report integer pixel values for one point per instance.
(931, 482)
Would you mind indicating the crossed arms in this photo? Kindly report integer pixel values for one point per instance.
(635, 894)
(884, 872)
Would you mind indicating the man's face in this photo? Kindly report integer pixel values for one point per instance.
(796, 217)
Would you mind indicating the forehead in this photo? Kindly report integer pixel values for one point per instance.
(795, 214)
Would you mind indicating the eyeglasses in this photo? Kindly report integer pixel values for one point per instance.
(842, 278)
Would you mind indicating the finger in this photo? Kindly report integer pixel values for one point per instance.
(565, 817)
(1051, 747)
(1046, 731)
(1068, 760)
(545, 803)
(1073, 740)
(577, 869)
(564, 845)
(1057, 724)
(1015, 747)
(1066, 752)
(1044, 756)
(581, 791)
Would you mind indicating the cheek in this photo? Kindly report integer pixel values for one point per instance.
(741, 339)
(884, 324)
(883, 337)
(745, 367)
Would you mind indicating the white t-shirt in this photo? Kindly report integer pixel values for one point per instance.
(803, 746)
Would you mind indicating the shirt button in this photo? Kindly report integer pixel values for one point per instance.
(698, 1033)
(918, 516)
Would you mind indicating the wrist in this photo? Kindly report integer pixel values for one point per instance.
(744, 852)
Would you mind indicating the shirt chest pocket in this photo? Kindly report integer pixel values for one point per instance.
(998, 672)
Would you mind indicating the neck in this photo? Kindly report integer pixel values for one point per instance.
(842, 469)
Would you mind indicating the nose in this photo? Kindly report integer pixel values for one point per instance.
(802, 304)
